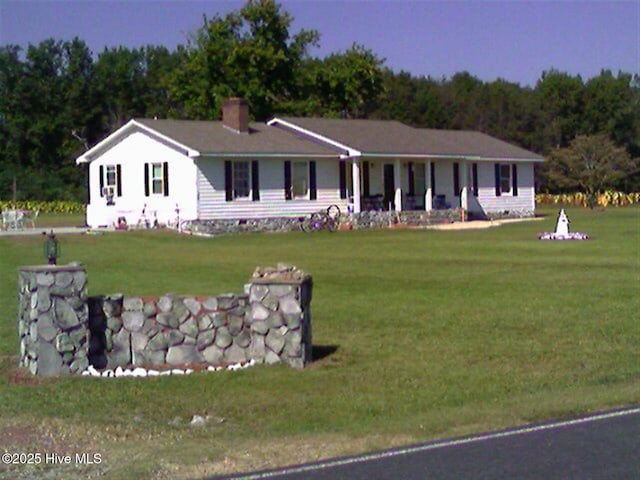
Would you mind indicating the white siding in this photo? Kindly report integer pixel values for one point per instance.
(132, 153)
(487, 200)
(212, 202)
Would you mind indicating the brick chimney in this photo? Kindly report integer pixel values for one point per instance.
(235, 114)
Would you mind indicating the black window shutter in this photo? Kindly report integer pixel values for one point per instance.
(497, 179)
(412, 187)
(255, 181)
(119, 180)
(287, 180)
(456, 179)
(101, 180)
(228, 181)
(514, 179)
(365, 179)
(474, 174)
(343, 179)
(432, 174)
(165, 178)
(146, 179)
(313, 186)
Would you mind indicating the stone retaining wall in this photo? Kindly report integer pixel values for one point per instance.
(524, 213)
(357, 221)
(375, 219)
(218, 227)
(52, 319)
(269, 323)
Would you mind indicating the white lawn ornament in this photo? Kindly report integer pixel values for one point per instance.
(562, 226)
(562, 230)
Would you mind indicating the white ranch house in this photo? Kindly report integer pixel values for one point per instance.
(236, 169)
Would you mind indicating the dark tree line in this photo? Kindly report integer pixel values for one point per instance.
(57, 98)
(545, 118)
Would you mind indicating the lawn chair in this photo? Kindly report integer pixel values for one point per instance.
(31, 217)
(12, 219)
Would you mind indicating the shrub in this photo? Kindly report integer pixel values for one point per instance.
(57, 206)
(605, 199)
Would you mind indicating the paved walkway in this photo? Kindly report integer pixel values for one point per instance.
(39, 230)
(480, 224)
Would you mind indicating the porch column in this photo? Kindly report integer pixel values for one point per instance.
(464, 195)
(428, 193)
(397, 185)
(355, 175)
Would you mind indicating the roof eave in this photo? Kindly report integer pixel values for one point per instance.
(351, 152)
(427, 156)
(265, 155)
(86, 157)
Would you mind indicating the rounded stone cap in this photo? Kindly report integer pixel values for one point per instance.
(70, 267)
(287, 274)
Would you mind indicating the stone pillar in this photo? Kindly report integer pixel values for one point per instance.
(53, 319)
(280, 316)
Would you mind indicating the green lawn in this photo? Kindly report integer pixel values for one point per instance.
(59, 220)
(429, 334)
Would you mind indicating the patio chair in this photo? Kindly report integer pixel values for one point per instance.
(31, 217)
(12, 219)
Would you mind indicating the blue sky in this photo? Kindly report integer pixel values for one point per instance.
(515, 40)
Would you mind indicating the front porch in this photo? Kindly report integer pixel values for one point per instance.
(406, 184)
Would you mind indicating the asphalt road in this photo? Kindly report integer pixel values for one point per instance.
(600, 446)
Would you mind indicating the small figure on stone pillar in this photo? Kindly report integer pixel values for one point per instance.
(51, 248)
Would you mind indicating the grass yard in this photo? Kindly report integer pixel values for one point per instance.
(426, 334)
(59, 220)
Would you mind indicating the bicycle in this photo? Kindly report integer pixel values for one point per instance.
(328, 219)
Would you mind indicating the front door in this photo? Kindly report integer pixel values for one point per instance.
(389, 186)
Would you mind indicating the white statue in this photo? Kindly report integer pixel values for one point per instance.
(562, 227)
(562, 230)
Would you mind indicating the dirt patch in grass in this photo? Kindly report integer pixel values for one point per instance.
(273, 454)
(21, 376)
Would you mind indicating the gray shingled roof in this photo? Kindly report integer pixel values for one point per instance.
(476, 144)
(210, 137)
(386, 137)
(370, 136)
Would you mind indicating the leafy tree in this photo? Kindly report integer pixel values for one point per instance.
(159, 65)
(250, 54)
(590, 164)
(12, 121)
(119, 78)
(412, 100)
(344, 84)
(612, 106)
(463, 97)
(561, 105)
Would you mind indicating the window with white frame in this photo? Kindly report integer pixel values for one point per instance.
(505, 178)
(110, 185)
(241, 179)
(300, 179)
(110, 179)
(157, 178)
